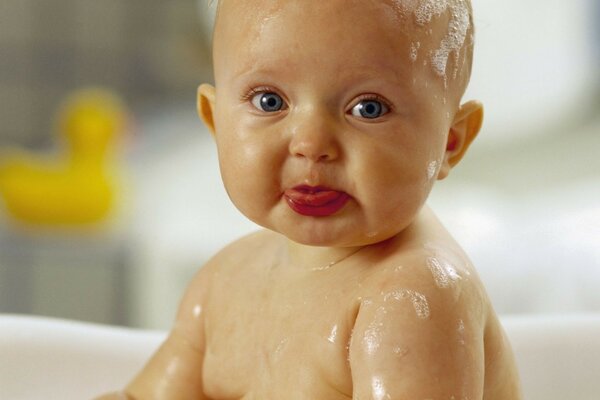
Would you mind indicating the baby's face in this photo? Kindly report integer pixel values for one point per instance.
(331, 121)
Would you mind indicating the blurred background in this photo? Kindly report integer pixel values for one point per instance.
(525, 203)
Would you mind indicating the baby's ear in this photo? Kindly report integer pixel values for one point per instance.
(206, 105)
(465, 127)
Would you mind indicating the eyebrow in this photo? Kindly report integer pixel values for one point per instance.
(365, 71)
(258, 68)
(254, 70)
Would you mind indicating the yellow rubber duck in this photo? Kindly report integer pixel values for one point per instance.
(78, 186)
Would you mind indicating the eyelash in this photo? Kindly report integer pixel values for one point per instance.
(377, 97)
(253, 91)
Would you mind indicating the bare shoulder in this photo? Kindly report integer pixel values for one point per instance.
(427, 304)
(186, 344)
(441, 279)
(229, 269)
(428, 295)
(217, 271)
(239, 252)
(420, 327)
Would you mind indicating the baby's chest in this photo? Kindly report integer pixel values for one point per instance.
(263, 349)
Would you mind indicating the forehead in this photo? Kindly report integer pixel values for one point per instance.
(343, 34)
(376, 30)
(253, 14)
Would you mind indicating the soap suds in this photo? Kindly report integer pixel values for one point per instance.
(419, 301)
(427, 9)
(414, 50)
(453, 40)
(432, 169)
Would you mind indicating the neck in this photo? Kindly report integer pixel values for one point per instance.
(318, 258)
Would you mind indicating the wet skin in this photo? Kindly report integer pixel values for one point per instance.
(254, 325)
(359, 337)
(315, 103)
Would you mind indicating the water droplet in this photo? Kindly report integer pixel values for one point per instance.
(333, 334)
(280, 348)
(378, 389)
(174, 366)
(197, 311)
(461, 332)
(371, 341)
(443, 272)
(400, 351)
(373, 334)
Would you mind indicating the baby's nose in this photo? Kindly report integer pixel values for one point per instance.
(316, 141)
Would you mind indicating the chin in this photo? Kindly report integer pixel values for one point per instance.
(309, 236)
(324, 236)
(305, 238)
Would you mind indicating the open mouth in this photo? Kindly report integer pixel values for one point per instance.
(315, 201)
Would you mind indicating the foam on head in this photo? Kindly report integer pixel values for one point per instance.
(454, 40)
(442, 32)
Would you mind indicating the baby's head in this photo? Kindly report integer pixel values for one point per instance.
(334, 118)
(440, 31)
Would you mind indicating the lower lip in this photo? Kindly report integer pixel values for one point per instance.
(301, 204)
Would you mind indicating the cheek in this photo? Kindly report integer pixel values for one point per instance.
(395, 179)
(403, 165)
(249, 173)
(239, 163)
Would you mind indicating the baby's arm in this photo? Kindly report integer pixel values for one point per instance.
(175, 371)
(417, 344)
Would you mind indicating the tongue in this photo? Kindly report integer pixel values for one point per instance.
(314, 199)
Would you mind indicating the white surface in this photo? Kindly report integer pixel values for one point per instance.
(558, 357)
(533, 64)
(51, 359)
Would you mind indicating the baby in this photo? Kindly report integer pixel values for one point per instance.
(333, 119)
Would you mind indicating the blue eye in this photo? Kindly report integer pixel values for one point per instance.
(268, 102)
(369, 109)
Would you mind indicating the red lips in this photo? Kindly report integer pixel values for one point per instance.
(316, 201)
